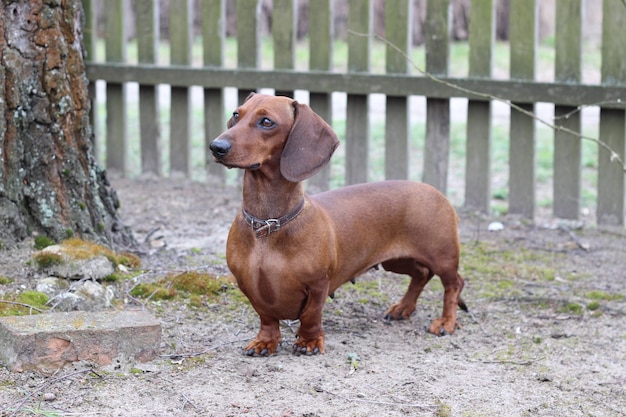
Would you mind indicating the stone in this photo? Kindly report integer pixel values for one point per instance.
(51, 286)
(47, 342)
(96, 267)
(84, 295)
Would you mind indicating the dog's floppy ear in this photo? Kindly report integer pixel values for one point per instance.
(309, 146)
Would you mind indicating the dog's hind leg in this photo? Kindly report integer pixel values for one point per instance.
(420, 276)
(453, 285)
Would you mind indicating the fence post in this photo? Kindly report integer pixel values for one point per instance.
(610, 210)
(213, 34)
(437, 144)
(478, 145)
(147, 14)
(284, 36)
(180, 114)
(248, 41)
(115, 51)
(567, 146)
(397, 32)
(357, 117)
(523, 41)
(321, 53)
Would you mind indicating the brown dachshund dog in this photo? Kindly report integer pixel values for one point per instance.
(289, 251)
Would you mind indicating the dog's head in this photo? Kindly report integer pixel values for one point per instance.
(276, 133)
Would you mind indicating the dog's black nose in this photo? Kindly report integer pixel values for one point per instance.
(220, 147)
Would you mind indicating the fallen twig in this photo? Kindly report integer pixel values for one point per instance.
(188, 401)
(22, 305)
(574, 237)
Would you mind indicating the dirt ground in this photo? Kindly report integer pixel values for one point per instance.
(532, 345)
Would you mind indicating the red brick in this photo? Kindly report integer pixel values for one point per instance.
(46, 342)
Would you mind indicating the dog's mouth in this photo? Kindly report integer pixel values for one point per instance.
(246, 167)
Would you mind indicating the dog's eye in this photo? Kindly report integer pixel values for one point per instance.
(266, 123)
(233, 120)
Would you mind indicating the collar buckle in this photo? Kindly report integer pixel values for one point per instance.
(263, 228)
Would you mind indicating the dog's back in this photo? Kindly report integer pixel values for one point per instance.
(405, 219)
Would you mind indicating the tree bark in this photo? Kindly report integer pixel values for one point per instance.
(50, 183)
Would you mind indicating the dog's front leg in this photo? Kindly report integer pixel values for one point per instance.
(266, 342)
(310, 336)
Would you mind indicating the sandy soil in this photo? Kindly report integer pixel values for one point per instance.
(524, 350)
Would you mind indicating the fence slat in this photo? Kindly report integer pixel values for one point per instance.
(116, 119)
(567, 147)
(248, 40)
(478, 145)
(523, 41)
(213, 34)
(284, 36)
(437, 144)
(180, 112)
(147, 14)
(321, 52)
(610, 209)
(397, 32)
(357, 120)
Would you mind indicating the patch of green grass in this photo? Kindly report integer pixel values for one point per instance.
(47, 259)
(33, 298)
(572, 308)
(593, 306)
(604, 296)
(502, 272)
(444, 410)
(154, 292)
(43, 242)
(5, 280)
(485, 259)
(25, 303)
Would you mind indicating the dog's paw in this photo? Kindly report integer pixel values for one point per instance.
(443, 326)
(260, 348)
(309, 346)
(399, 311)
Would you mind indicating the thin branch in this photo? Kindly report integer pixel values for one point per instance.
(188, 401)
(575, 238)
(22, 305)
(614, 156)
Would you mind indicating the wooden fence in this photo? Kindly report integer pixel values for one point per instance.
(397, 83)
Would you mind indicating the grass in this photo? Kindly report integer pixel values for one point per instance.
(23, 304)
(458, 64)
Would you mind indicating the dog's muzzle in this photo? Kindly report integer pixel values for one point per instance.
(220, 148)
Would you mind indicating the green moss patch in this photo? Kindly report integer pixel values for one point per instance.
(25, 303)
(199, 288)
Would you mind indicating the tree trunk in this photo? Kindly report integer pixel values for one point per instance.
(49, 181)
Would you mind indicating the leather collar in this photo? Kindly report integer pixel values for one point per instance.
(265, 227)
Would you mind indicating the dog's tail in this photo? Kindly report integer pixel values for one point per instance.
(462, 305)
